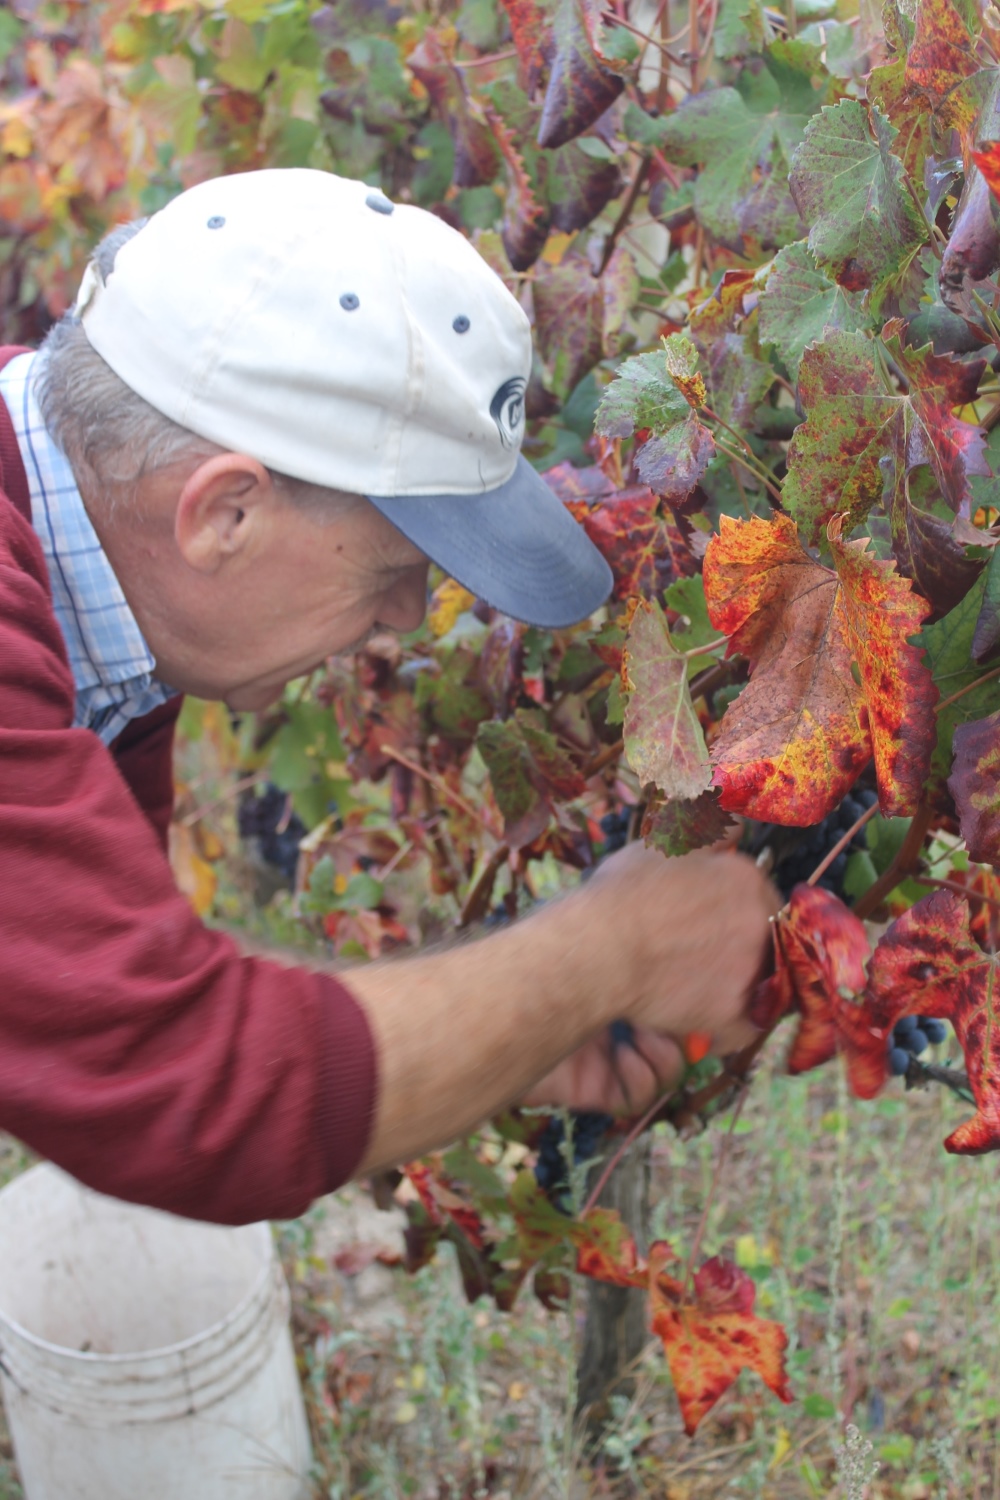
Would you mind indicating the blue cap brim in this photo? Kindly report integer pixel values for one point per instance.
(516, 546)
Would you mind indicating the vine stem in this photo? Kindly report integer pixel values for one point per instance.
(947, 702)
(841, 844)
(481, 892)
(961, 890)
(716, 1177)
(626, 213)
(483, 62)
(605, 757)
(902, 864)
(435, 781)
(633, 1135)
(740, 459)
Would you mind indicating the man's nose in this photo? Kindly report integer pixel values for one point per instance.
(404, 607)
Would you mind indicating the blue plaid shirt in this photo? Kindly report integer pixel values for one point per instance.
(112, 666)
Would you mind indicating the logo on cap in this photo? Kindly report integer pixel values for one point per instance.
(507, 410)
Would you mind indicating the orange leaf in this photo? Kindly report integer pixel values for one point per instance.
(988, 162)
(708, 1342)
(795, 740)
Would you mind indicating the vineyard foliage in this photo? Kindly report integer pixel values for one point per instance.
(758, 249)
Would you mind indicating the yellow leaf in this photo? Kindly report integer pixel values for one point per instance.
(448, 601)
(555, 247)
(15, 139)
(194, 876)
(418, 1377)
(517, 1390)
(406, 1412)
(782, 1445)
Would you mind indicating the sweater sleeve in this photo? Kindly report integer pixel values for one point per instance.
(138, 1049)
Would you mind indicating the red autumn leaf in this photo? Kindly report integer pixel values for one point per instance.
(881, 613)
(822, 950)
(708, 1342)
(929, 964)
(444, 1199)
(526, 217)
(988, 162)
(942, 52)
(637, 540)
(795, 740)
(975, 785)
(529, 26)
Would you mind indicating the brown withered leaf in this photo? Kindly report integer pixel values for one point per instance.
(476, 156)
(676, 827)
(569, 320)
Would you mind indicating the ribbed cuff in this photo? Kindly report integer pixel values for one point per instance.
(347, 1081)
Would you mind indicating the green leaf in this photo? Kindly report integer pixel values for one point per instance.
(10, 33)
(526, 811)
(800, 302)
(864, 226)
(743, 140)
(664, 740)
(742, 29)
(677, 826)
(948, 644)
(986, 639)
(687, 597)
(643, 395)
(820, 1408)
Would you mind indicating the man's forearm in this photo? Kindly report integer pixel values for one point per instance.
(671, 945)
(462, 1033)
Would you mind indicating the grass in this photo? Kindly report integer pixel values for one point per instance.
(877, 1250)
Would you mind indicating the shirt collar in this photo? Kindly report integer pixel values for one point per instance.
(112, 666)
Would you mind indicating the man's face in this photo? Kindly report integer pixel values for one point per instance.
(321, 590)
(238, 589)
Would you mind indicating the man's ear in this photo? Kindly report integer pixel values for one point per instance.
(221, 509)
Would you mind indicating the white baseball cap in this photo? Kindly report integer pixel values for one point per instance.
(358, 344)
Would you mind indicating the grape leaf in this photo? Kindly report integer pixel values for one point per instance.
(881, 613)
(800, 302)
(858, 431)
(928, 964)
(795, 740)
(975, 785)
(580, 186)
(864, 226)
(632, 533)
(581, 86)
(942, 52)
(664, 740)
(709, 1342)
(986, 639)
(569, 320)
(673, 463)
(476, 158)
(529, 26)
(525, 766)
(743, 140)
(641, 395)
(526, 213)
(676, 827)
(822, 950)
(887, 87)
(646, 395)
(948, 647)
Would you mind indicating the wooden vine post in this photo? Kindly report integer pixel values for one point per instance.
(616, 1328)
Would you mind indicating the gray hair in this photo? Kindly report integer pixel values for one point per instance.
(111, 436)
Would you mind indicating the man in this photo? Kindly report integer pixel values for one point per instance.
(272, 404)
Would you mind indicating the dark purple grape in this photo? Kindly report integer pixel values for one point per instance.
(918, 1041)
(935, 1031)
(899, 1061)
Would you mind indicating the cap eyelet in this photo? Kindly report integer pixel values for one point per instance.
(380, 203)
(350, 301)
(216, 222)
(461, 324)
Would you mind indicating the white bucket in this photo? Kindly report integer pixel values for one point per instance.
(144, 1355)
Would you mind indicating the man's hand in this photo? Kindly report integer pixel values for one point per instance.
(673, 946)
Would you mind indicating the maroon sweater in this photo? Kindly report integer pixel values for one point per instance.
(139, 1049)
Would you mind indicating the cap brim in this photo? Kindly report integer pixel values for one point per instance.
(516, 546)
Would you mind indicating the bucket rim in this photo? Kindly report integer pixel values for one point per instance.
(261, 1228)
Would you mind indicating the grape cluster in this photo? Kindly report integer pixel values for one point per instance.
(614, 826)
(262, 812)
(800, 859)
(911, 1036)
(551, 1168)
